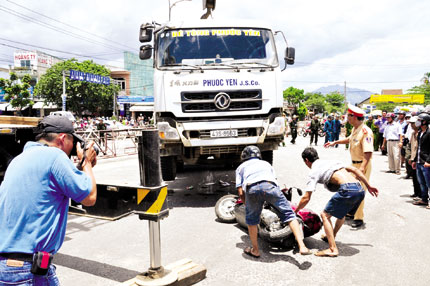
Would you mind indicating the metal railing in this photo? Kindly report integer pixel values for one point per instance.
(115, 142)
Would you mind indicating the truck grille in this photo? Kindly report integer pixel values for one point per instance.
(205, 101)
(214, 150)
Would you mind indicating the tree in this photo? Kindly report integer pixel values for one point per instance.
(17, 93)
(302, 111)
(385, 106)
(294, 95)
(81, 96)
(315, 102)
(424, 88)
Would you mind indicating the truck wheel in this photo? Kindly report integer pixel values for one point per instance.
(268, 156)
(168, 167)
(179, 165)
(224, 208)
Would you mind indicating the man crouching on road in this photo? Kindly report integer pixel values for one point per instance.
(348, 195)
(256, 183)
(34, 200)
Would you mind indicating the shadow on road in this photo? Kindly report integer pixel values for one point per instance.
(200, 186)
(99, 269)
(266, 255)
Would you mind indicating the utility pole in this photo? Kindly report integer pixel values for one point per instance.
(171, 6)
(344, 93)
(63, 97)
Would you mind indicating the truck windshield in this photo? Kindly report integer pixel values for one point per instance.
(216, 47)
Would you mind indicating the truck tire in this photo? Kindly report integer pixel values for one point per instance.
(168, 167)
(224, 208)
(268, 156)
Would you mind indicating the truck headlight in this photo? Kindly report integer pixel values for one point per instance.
(277, 127)
(167, 132)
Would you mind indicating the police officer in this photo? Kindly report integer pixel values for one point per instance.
(361, 149)
(293, 128)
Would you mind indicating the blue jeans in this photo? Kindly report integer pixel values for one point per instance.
(21, 275)
(423, 176)
(346, 200)
(255, 197)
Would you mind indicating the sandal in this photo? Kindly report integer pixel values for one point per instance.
(248, 251)
(420, 203)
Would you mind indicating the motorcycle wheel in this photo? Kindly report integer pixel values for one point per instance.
(282, 234)
(305, 134)
(224, 208)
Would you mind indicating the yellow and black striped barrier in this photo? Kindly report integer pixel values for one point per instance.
(152, 203)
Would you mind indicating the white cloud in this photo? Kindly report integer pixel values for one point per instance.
(361, 42)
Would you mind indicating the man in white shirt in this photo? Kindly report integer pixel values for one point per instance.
(393, 142)
(256, 183)
(337, 178)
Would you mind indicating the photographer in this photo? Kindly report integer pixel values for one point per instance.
(34, 201)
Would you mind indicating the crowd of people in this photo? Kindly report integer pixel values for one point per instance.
(106, 123)
(402, 136)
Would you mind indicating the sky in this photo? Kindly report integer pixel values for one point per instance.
(369, 44)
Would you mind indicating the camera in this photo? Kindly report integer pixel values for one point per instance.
(83, 146)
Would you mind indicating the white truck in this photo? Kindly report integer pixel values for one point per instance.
(217, 89)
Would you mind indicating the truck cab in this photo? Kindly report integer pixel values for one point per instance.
(217, 89)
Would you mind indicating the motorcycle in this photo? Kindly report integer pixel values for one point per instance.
(230, 208)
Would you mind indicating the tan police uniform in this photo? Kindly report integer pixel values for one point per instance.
(360, 142)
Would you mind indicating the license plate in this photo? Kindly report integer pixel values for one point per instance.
(224, 133)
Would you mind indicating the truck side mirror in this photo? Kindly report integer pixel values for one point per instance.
(290, 55)
(145, 34)
(145, 52)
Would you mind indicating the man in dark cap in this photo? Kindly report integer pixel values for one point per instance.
(34, 200)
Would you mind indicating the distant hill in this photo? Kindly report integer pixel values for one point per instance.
(353, 95)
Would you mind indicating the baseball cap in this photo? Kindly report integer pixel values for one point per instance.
(58, 124)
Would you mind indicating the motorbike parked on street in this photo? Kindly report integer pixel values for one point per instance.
(230, 208)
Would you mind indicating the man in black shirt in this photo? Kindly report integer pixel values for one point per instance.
(422, 159)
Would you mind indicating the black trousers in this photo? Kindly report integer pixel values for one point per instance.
(314, 134)
(413, 173)
(380, 141)
(293, 135)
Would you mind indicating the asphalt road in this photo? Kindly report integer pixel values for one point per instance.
(390, 249)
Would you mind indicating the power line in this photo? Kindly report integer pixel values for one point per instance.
(59, 51)
(354, 82)
(403, 66)
(49, 26)
(77, 28)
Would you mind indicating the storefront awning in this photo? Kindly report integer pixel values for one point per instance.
(142, 108)
(3, 106)
(41, 105)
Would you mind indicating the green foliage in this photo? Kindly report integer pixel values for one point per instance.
(302, 111)
(332, 102)
(17, 92)
(81, 96)
(315, 102)
(386, 106)
(294, 95)
(423, 89)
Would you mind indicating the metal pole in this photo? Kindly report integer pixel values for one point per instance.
(64, 91)
(344, 93)
(155, 244)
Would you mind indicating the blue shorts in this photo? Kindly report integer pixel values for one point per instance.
(255, 197)
(347, 200)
